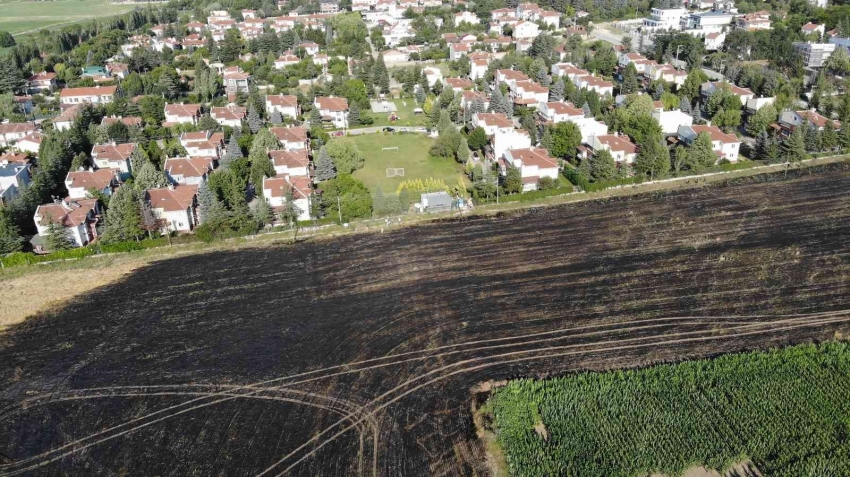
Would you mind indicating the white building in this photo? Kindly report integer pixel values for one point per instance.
(182, 114)
(621, 148)
(14, 177)
(230, 115)
(533, 164)
(708, 22)
(559, 111)
(11, 133)
(466, 17)
(78, 217)
(80, 183)
(113, 156)
(726, 146)
(174, 207)
(671, 120)
(664, 18)
(93, 95)
(525, 31)
(291, 138)
(589, 128)
(291, 163)
(286, 105)
(333, 110)
(188, 170)
(275, 190)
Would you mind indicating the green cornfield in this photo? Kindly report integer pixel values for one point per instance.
(787, 410)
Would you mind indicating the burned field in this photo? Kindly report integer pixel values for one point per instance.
(359, 356)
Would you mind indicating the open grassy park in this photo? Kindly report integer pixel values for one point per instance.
(412, 155)
(404, 111)
(20, 17)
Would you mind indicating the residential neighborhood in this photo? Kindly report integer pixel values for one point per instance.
(253, 108)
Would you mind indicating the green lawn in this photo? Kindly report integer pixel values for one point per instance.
(24, 16)
(412, 155)
(404, 110)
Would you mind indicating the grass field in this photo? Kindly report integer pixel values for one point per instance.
(786, 411)
(412, 155)
(20, 17)
(365, 354)
(404, 110)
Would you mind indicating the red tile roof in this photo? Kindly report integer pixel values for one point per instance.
(534, 157)
(283, 100)
(16, 128)
(99, 179)
(189, 166)
(171, 200)
(113, 151)
(332, 103)
(290, 134)
(68, 213)
(290, 158)
(495, 119)
(94, 91)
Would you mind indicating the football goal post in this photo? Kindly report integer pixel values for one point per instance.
(393, 149)
(395, 172)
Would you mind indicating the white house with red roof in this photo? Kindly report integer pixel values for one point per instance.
(458, 50)
(533, 164)
(291, 138)
(129, 121)
(558, 111)
(334, 110)
(622, 149)
(286, 105)
(726, 146)
(113, 156)
(188, 170)
(30, 143)
(66, 118)
(457, 84)
(174, 207)
(292, 163)
(492, 123)
(509, 77)
(810, 28)
(275, 190)
(41, 82)
(466, 17)
(230, 115)
(528, 93)
(79, 218)
(93, 95)
(594, 83)
(182, 114)
(202, 143)
(11, 133)
(478, 67)
(468, 97)
(236, 80)
(80, 183)
(524, 30)
(671, 120)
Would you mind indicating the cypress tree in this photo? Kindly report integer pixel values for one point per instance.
(556, 92)
(254, 121)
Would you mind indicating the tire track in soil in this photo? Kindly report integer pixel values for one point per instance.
(228, 396)
(487, 365)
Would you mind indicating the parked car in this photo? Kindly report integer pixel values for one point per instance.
(421, 130)
(338, 133)
(389, 129)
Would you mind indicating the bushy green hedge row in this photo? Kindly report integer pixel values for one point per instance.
(28, 258)
(537, 194)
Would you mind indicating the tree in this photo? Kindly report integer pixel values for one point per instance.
(420, 96)
(351, 194)
(346, 157)
(680, 159)
(381, 75)
(844, 135)
(353, 115)
(513, 180)
(653, 158)
(762, 143)
(566, 137)
(794, 147)
(761, 120)
(210, 208)
(701, 152)
(6, 40)
(149, 177)
(463, 151)
(543, 46)
(685, 105)
(124, 220)
(587, 112)
(233, 151)
(811, 137)
(57, 238)
(207, 123)
(325, 168)
(602, 166)
(556, 92)
(630, 82)
(10, 235)
(138, 158)
(546, 140)
(262, 213)
(261, 167)
(276, 118)
(477, 139)
(691, 87)
(169, 83)
(11, 79)
(254, 121)
(829, 138)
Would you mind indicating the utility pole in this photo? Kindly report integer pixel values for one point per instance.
(339, 209)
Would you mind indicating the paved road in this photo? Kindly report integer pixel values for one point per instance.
(601, 33)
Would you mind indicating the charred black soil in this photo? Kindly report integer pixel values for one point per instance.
(356, 356)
